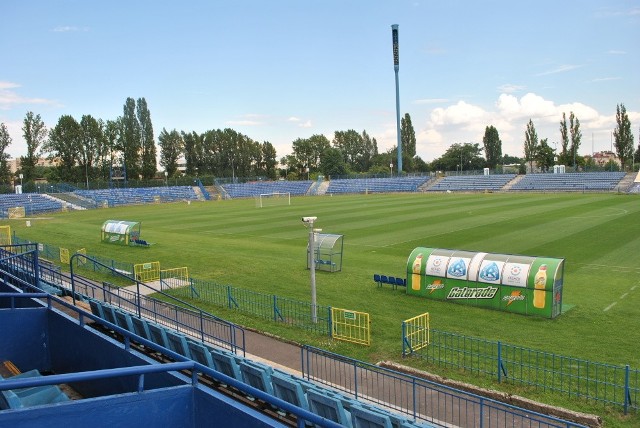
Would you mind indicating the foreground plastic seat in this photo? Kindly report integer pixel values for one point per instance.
(178, 343)
(328, 407)
(256, 376)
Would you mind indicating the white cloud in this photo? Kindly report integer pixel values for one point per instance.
(509, 88)
(464, 122)
(605, 79)
(306, 124)
(10, 98)
(69, 29)
(244, 122)
(616, 52)
(559, 69)
(294, 119)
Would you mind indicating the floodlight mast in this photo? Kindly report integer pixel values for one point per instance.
(396, 68)
(312, 264)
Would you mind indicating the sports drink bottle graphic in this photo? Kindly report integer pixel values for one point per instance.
(415, 275)
(539, 285)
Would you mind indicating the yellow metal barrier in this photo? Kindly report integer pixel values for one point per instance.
(64, 255)
(82, 260)
(351, 326)
(176, 277)
(415, 333)
(147, 272)
(5, 235)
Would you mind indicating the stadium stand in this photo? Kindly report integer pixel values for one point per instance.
(246, 190)
(581, 181)
(375, 185)
(138, 195)
(33, 203)
(472, 183)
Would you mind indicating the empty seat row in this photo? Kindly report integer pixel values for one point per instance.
(244, 190)
(32, 396)
(376, 185)
(391, 280)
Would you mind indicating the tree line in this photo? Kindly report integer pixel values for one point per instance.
(94, 149)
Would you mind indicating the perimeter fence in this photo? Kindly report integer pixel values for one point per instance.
(610, 384)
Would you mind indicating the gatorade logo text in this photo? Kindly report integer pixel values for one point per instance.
(472, 293)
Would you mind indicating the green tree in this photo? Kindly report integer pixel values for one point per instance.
(309, 150)
(370, 150)
(148, 166)
(35, 135)
(460, 157)
(332, 163)
(269, 160)
(170, 150)
(92, 148)
(576, 137)
(544, 155)
(563, 157)
(5, 141)
(530, 144)
(112, 132)
(192, 151)
(408, 141)
(129, 142)
(492, 146)
(65, 145)
(622, 136)
(351, 144)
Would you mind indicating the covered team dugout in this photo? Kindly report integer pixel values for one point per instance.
(121, 232)
(527, 285)
(327, 252)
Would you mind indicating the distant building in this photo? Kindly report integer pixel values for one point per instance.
(603, 158)
(14, 164)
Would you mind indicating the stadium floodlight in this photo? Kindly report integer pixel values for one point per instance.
(396, 68)
(308, 221)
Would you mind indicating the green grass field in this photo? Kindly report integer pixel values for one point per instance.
(264, 249)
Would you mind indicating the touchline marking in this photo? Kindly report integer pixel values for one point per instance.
(610, 306)
(624, 295)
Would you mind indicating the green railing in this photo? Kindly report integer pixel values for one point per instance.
(609, 384)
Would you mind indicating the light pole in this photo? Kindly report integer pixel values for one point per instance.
(308, 221)
(21, 177)
(166, 179)
(391, 166)
(396, 68)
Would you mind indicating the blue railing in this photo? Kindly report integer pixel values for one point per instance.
(418, 398)
(266, 306)
(610, 384)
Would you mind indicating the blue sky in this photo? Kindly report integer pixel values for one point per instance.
(280, 70)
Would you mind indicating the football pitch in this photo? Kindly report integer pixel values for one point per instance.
(264, 249)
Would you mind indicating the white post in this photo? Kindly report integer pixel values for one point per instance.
(312, 264)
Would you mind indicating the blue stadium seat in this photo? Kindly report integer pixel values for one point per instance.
(96, 308)
(158, 335)
(290, 390)
(109, 313)
(201, 354)
(178, 343)
(384, 279)
(141, 328)
(330, 408)
(226, 364)
(401, 282)
(256, 376)
(376, 278)
(367, 418)
(123, 320)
